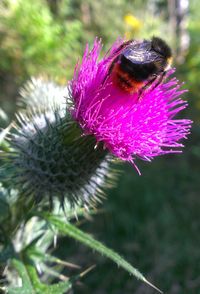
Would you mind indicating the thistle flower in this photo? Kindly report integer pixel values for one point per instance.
(129, 127)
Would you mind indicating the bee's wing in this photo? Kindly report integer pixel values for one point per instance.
(141, 55)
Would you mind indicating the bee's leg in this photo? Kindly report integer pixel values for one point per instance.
(150, 83)
(141, 93)
(159, 80)
(145, 87)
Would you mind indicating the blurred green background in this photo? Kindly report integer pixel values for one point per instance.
(153, 220)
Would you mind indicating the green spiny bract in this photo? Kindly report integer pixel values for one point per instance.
(50, 157)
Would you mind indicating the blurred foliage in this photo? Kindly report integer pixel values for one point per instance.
(109, 19)
(33, 42)
(46, 38)
(191, 68)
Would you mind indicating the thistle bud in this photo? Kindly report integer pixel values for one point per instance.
(49, 156)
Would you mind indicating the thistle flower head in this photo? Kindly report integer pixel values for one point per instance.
(129, 127)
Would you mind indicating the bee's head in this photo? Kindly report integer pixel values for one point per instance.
(161, 47)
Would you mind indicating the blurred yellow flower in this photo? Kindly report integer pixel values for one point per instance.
(132, 22)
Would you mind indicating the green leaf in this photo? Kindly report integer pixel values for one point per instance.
(27, 287)
(73, 232)
(58, 288)
(41, 288)
(31, 283)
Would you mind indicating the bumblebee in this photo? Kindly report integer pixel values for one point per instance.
(137, 65)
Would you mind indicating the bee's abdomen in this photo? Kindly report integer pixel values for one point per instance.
(124, 80)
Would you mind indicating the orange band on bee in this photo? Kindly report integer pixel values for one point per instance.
(124, 81)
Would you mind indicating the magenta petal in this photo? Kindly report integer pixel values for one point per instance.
(129, 128)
